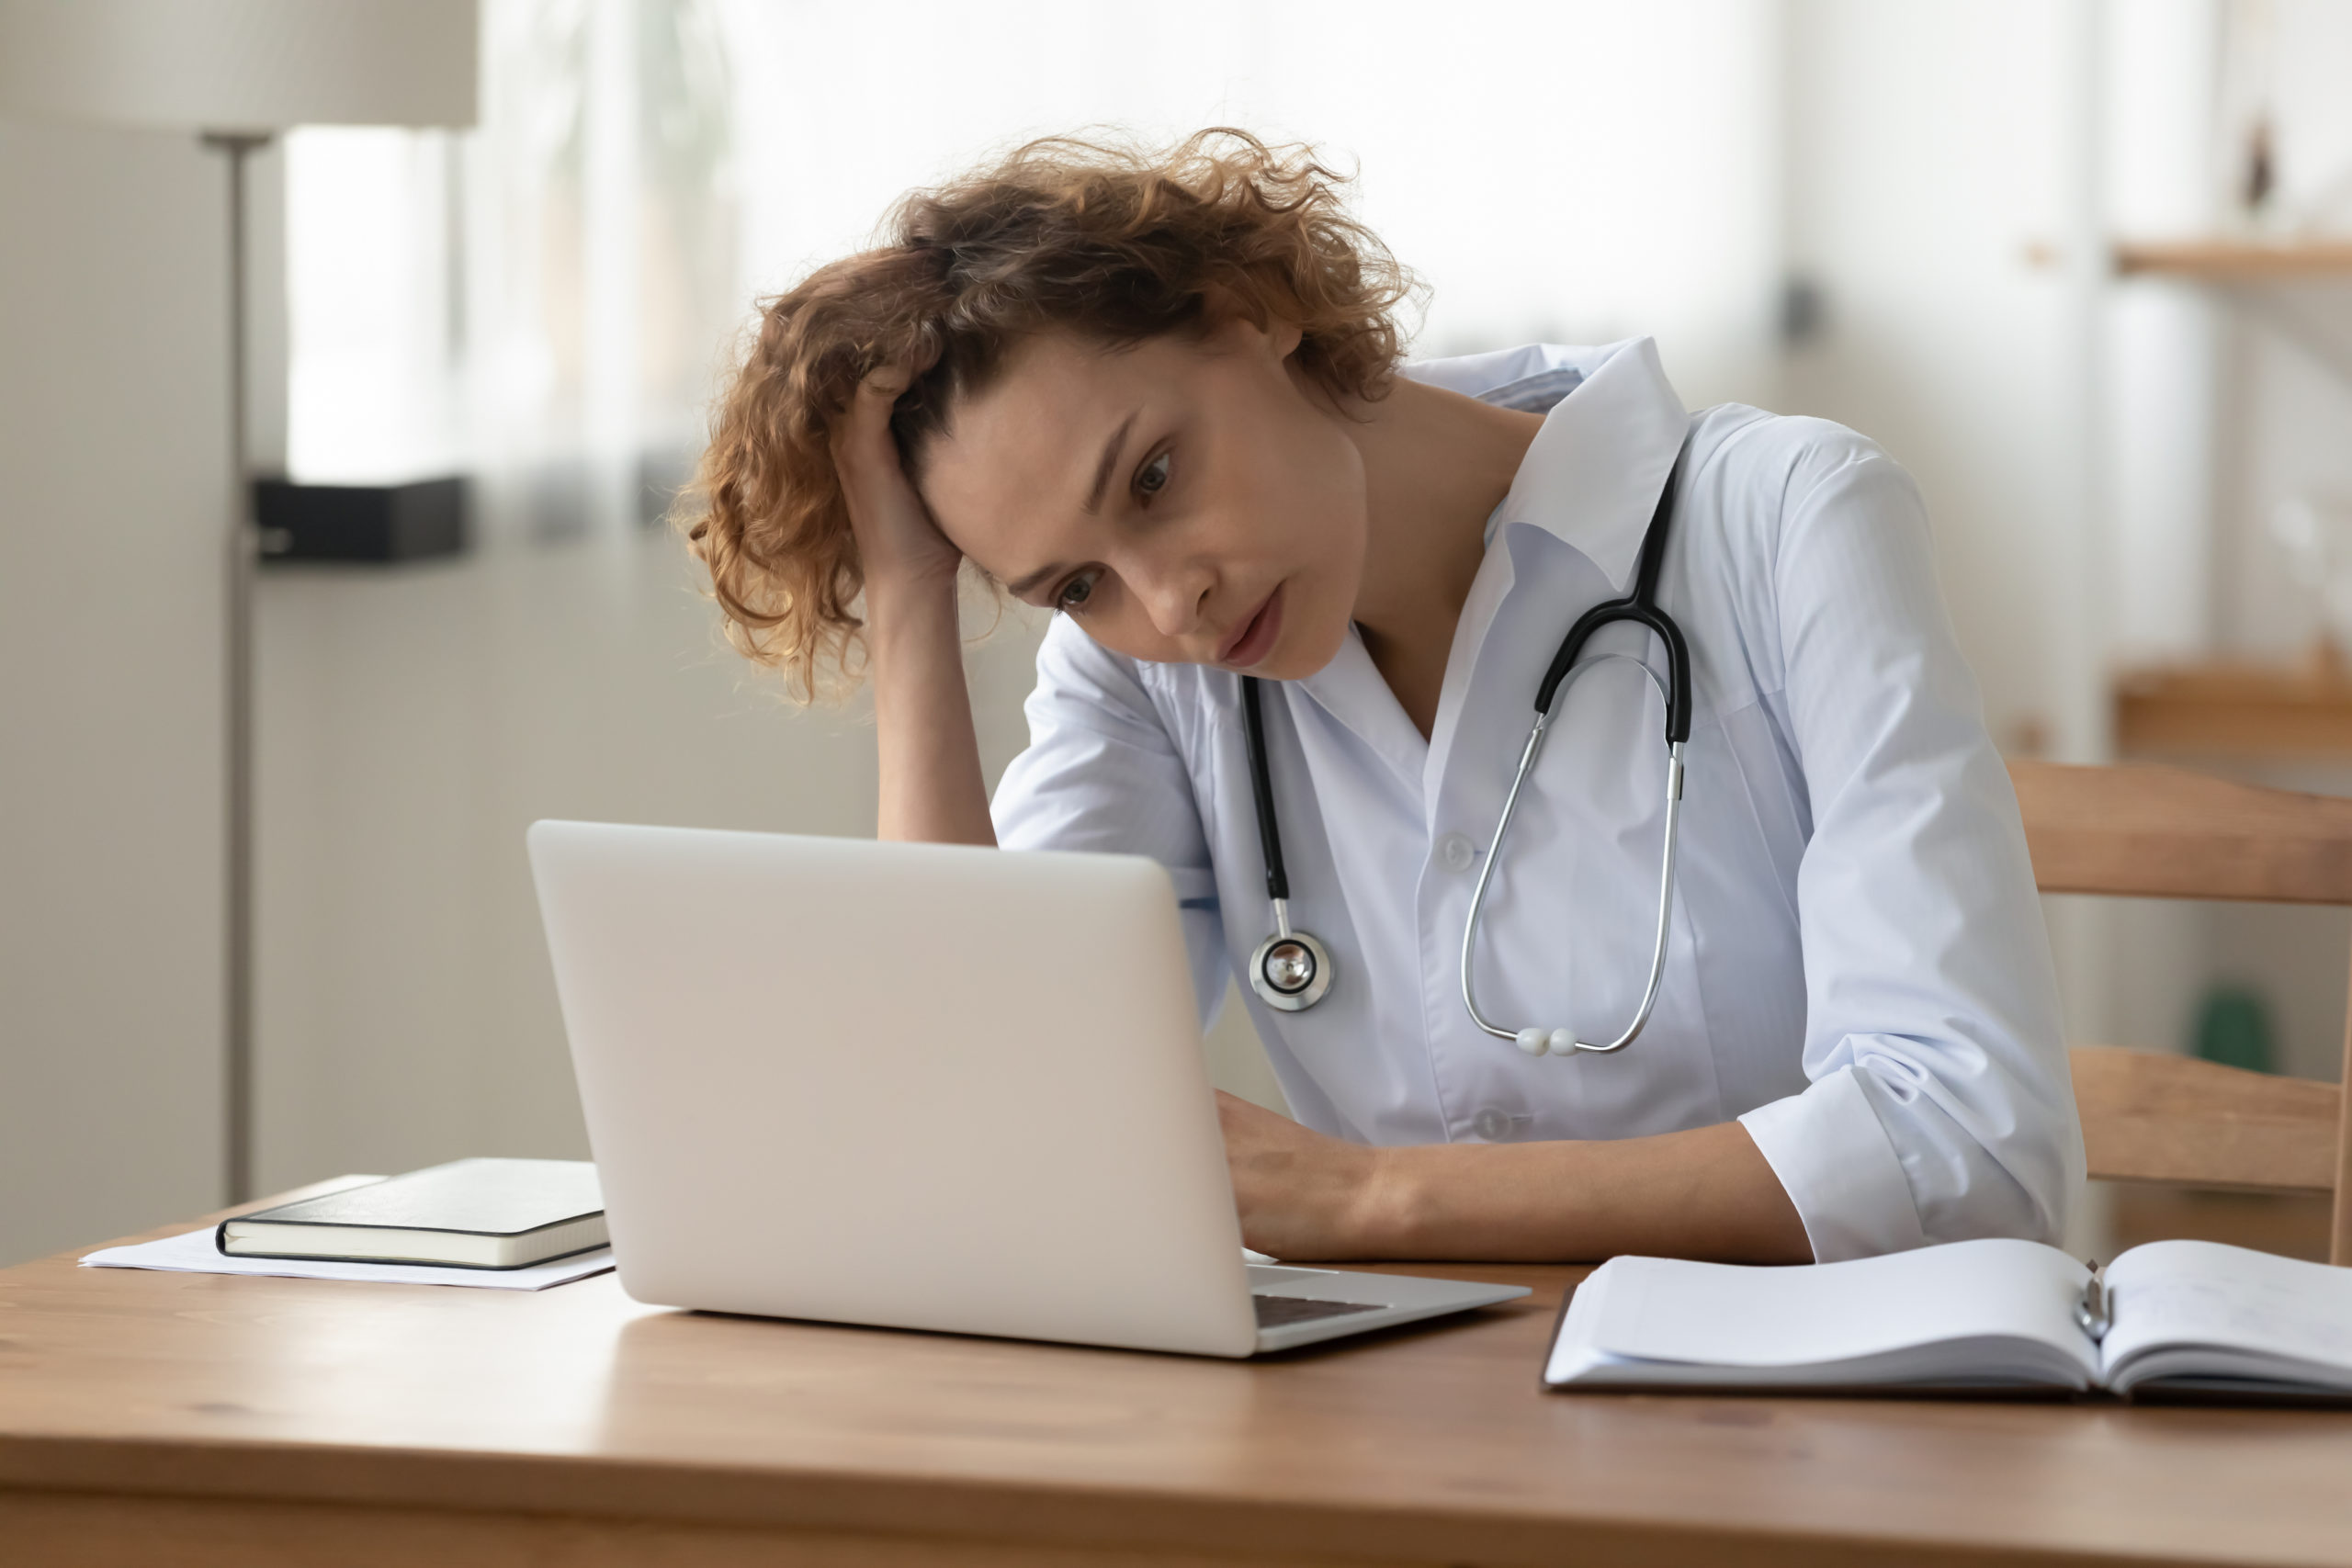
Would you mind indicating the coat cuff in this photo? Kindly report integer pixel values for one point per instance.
(1839, 1169)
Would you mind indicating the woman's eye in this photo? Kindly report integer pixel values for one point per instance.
(1074, 593)
(1152, 478)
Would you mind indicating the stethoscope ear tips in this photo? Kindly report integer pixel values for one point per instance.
(1547, 1042)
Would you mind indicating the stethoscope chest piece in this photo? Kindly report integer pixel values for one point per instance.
(1290, 971)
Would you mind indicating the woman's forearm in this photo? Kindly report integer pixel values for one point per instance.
(1705, 1193)
(930, 785)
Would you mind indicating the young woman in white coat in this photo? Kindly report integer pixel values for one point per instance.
(1161, 394)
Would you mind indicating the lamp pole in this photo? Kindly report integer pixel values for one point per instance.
(243, 553)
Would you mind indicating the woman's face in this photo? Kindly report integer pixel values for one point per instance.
(1186, 501)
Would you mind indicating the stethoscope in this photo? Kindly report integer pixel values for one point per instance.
(1291, 971)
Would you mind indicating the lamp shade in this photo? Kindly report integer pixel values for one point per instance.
(238, 65)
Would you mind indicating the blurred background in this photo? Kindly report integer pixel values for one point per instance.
(2085, 267)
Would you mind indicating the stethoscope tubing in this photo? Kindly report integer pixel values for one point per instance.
(1261, 790)
(1665, 905)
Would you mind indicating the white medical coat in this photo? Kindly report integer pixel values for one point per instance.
(1857, 968)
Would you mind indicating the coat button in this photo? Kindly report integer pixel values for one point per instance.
(1457, 852)
(1490, 1124)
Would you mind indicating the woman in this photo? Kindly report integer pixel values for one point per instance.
(1161, 394)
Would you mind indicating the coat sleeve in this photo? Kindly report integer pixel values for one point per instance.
(1102, 774)
(1939, 1106)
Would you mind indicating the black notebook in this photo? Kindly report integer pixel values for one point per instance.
(470, 1213)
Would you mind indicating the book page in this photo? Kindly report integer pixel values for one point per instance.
(1720, 1314)
(2179, 1295)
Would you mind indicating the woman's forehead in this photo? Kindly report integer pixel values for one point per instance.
(1034, 441)
(1052, 381)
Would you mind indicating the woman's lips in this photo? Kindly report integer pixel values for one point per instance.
(1255, 639)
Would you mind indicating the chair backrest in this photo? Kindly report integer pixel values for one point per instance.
(2164, 833)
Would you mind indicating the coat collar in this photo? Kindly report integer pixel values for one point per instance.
(1592, 478)
(1592, 475)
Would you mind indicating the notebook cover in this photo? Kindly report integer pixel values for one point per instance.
(475, 1197)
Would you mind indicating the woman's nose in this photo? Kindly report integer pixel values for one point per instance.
(1175, 600)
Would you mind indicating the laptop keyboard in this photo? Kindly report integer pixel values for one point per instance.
(1274, 1312)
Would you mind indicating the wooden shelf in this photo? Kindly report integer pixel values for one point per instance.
(2236, 710)
(2235, 261)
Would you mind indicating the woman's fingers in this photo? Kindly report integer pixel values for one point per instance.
(861, 437)
(896, 536)
(863, 428)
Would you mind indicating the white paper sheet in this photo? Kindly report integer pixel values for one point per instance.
(195, 1252)
(1724, 1316)
(2206, 1295)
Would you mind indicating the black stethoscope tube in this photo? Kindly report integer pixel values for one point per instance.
(1639, 608)
(1262, 786)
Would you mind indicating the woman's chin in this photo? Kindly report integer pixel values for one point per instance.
(1304, 651)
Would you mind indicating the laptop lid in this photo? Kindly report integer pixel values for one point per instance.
(912, 1084)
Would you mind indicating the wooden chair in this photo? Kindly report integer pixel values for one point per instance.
(2155, 832)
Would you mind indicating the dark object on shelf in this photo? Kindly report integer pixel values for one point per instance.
(360, 523)
(2234, 1029)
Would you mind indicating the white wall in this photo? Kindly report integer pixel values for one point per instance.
(1576, 170)
(114, 480)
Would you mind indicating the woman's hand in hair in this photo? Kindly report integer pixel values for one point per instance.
(898, 544)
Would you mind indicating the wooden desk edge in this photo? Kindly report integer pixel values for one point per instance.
(941, 1521)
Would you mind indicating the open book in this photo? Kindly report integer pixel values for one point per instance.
(2171, 1318)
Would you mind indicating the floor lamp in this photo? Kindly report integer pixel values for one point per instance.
(235, 73)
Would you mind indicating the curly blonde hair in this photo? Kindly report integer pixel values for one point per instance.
(1115, 243)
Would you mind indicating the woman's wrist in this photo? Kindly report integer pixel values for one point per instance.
(930, 786)
(1707, 1192)
(904, 595)
(913, 627)
(1473, 1201)
(1386, 1218)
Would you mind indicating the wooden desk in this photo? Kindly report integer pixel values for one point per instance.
(2236, 710)
(209, 1420)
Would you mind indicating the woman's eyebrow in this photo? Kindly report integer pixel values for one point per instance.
(1110, 461)
(1036, 580)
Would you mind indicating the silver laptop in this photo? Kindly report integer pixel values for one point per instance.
(915, 1086)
